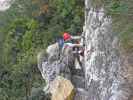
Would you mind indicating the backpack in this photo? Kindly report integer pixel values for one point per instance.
(60, 42)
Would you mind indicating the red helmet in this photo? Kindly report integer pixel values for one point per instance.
(66, 36)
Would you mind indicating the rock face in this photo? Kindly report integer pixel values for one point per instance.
(106, 74)
(5, 4)
(54, 64)
(62, 89)
(81, 94)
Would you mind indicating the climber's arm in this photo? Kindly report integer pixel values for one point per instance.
(76, 37)
(77, 45)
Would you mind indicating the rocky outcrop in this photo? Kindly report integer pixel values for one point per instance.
(54, 64)
(108, 72)
(62, 89)
(5, 4)
(107, 78)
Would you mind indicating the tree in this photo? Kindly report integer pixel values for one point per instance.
(28, 27)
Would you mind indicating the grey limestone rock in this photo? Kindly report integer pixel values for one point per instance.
(106, 75)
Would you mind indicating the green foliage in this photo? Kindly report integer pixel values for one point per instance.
(117, 7)
(69, 14)
(28, 27)
(121, 12)
(126, 39)
(19, 56)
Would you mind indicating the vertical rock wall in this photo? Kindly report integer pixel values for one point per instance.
(106, 76)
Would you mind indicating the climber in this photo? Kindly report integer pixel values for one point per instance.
(69, 42)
